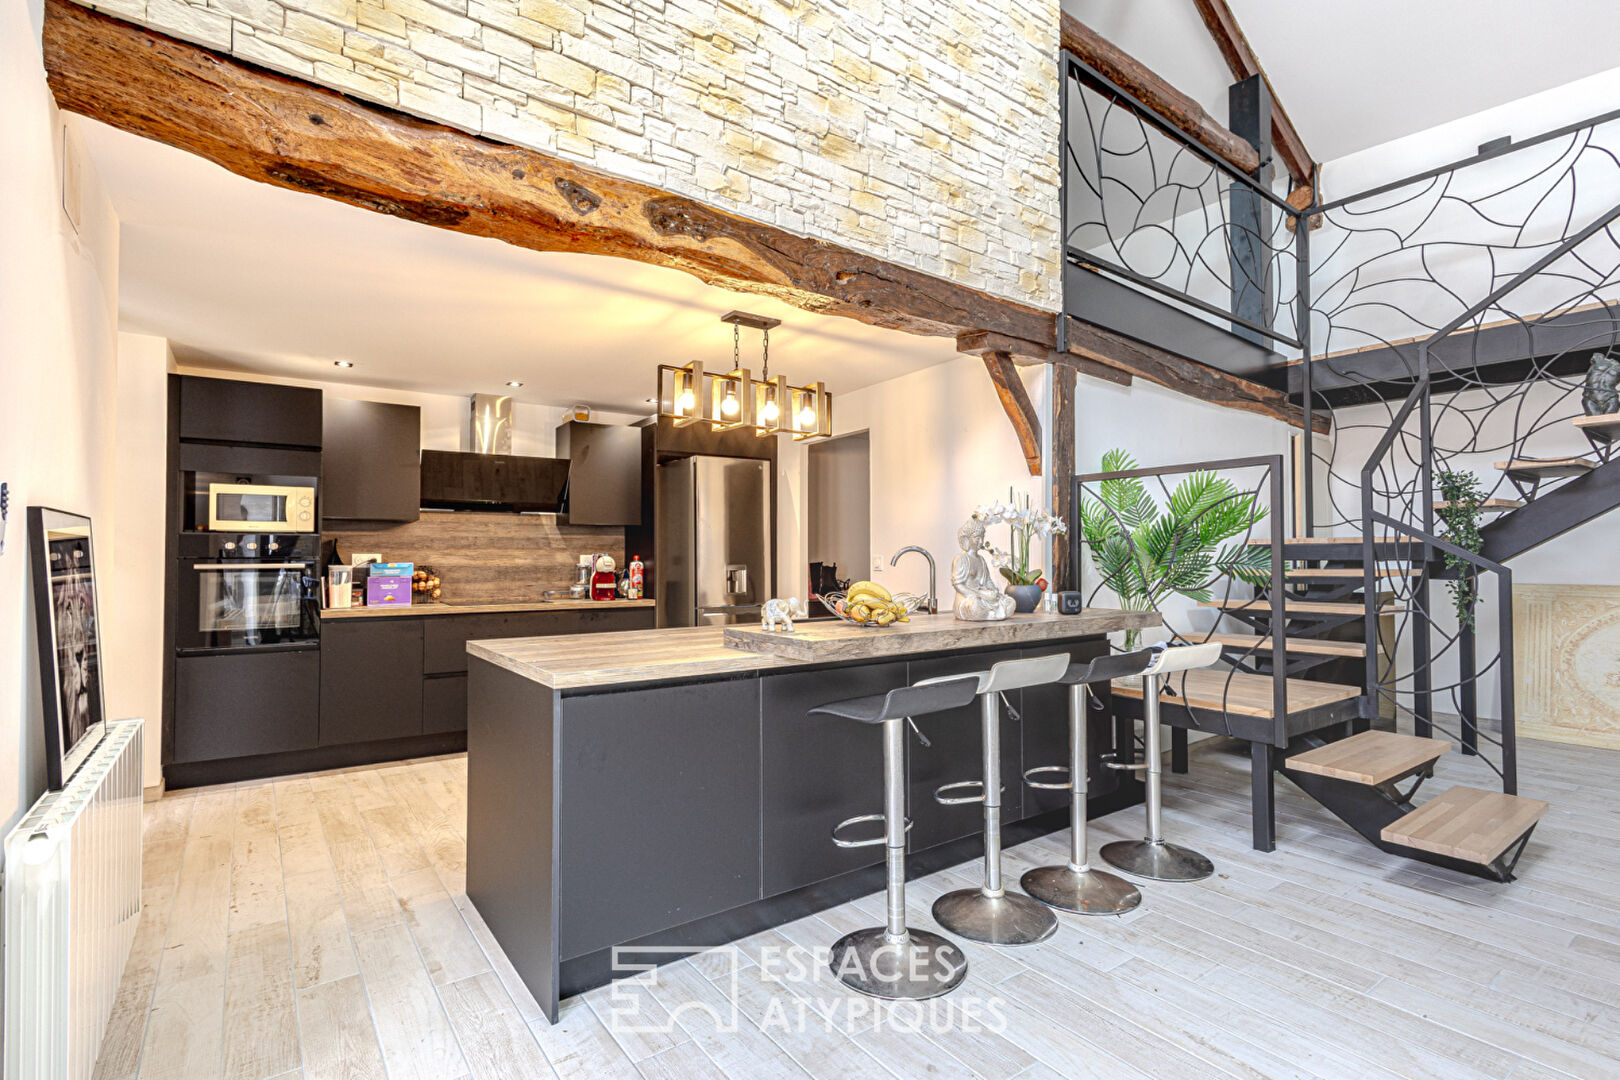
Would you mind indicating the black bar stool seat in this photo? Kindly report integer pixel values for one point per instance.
(892, 961)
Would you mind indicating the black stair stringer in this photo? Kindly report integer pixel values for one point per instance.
(1553, 512)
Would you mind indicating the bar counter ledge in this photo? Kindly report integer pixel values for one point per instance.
(650, 791)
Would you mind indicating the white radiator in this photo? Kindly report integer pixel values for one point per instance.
(72, 900)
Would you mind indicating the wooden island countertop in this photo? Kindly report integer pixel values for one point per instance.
(587, 661)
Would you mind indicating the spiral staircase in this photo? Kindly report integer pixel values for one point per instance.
(1381, 650)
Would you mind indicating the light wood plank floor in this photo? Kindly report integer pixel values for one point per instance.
(316, 927)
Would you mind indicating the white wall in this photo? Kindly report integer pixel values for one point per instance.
(840, 502)
(132, 604)
(57, 374)
(941, 446)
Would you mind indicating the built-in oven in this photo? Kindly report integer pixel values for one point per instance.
(248, 591)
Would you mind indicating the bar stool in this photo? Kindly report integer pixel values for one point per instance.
(892, 961)
(990, 913)
(1077, 887)
(1151, 857)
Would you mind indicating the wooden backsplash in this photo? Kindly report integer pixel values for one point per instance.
(489, 558)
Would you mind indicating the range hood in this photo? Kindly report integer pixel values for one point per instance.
(490, 477)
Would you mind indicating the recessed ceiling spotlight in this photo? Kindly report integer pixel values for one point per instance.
(343, 363)
(650, 401)
(513, 383)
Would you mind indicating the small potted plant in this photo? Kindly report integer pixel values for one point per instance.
(1026, 524)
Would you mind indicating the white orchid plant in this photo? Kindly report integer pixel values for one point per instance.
(1026, 524)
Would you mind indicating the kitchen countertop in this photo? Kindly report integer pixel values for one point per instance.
(439, 607)
(627, 657)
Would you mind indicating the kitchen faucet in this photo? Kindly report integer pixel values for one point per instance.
(933, 597)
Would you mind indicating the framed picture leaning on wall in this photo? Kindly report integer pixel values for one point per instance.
(66, 617)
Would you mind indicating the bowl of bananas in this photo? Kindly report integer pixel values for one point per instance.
(870, 605)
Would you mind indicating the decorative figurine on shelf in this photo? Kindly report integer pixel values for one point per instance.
(978, 599)
(1601, 397)
(779, 614)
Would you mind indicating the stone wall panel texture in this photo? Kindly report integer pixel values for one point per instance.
(924, 132)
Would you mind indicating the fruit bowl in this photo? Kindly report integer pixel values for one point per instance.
(898, 606)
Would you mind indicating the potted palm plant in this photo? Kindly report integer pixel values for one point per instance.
(1146, 554)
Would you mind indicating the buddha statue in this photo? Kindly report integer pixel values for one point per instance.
(978, 597)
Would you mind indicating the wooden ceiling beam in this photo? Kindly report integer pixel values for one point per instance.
(1150, 90)
(979, 342)
(296, 135)
(1026, 421)
(1242, 62)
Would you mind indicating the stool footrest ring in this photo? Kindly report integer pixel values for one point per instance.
(957, 800)
(1109, 762)
(858, 820)
(1040, 770)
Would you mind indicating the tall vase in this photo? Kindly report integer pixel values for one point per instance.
(1025, 597)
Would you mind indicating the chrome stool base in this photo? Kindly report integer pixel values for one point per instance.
(1008, 919)
(1087, 892)
(1157, 860)
(923, 966)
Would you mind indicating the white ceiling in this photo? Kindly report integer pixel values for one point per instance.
(1354, 75)
(243, 275)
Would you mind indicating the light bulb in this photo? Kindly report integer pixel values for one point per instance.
(728, 404)
(688, 400)
(768, 412)
(807, 417)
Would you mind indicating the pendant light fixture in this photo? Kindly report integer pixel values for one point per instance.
(735, 400)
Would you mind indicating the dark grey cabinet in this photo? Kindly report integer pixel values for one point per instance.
(444, 704)
(604, 473)
(236, 411)
(371, 453)
(801, 805)
(231, 705)
(620, 828)
(371, 680)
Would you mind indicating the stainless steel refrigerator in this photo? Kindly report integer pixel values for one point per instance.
(714, 541)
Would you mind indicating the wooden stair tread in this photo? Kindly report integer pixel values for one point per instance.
(1346, 572)
(1547, 468)
(1466, 823)
(1371, 757)
(1241, 694)
(1302, 607)
(1487, 505)
(1604, 427)
(1299, 645)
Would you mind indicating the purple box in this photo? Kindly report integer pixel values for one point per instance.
(388, 590)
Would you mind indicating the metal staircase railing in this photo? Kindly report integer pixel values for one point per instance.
(1419, 543)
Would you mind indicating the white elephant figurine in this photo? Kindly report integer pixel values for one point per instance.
(779, 614)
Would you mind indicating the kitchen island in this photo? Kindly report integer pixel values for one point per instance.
(662, 788)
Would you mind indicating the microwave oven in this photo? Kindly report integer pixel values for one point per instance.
(261, 508)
